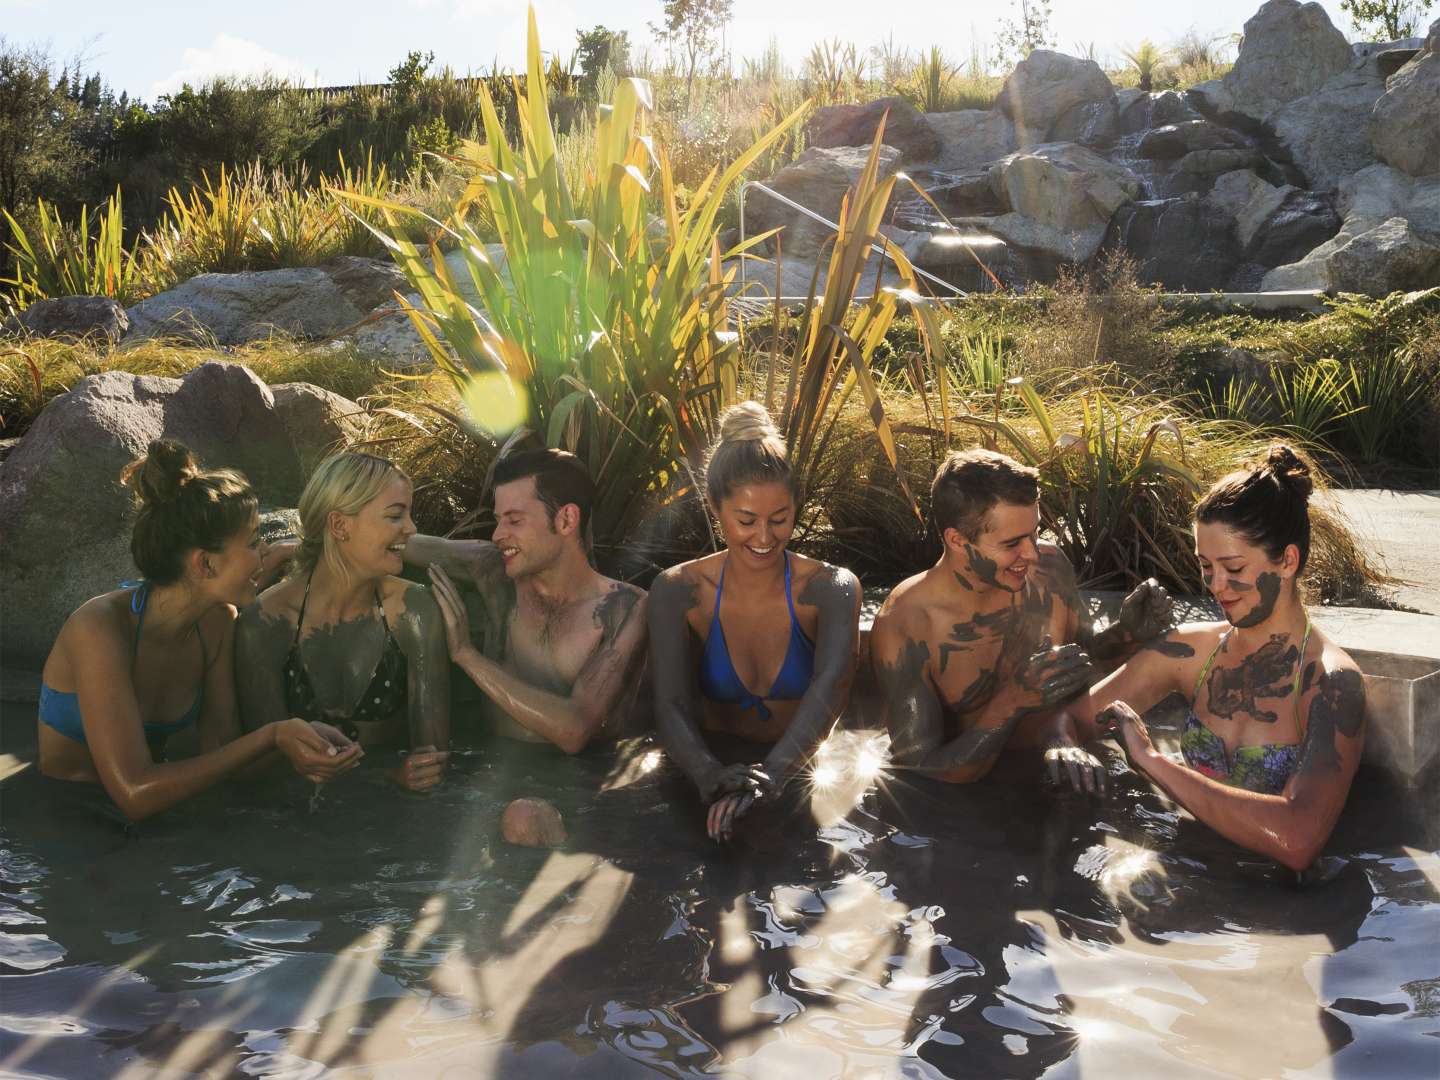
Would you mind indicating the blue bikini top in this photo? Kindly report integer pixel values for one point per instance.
(60, 709)
(718, 680)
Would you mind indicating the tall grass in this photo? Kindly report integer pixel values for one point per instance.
(602, 334)
(61, 260)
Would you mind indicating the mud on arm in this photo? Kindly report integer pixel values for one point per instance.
(674, 680)
(262, 642)
(1291, 827)
(422, 640)
(835, 593)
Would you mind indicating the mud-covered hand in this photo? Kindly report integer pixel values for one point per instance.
(452, 609)
(732, 779)
(1085, 771)
(1052, 676)
(421, 768)
(311, 753)
(1124, 723)
(1147, 612)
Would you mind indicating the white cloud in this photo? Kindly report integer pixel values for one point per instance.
(228, 55)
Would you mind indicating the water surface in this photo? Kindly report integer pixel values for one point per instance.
(873, 928)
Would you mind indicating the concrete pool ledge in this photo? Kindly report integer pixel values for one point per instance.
(1398, 652)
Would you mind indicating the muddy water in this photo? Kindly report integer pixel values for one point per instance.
(875, 927)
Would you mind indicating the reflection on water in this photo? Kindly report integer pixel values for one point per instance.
(878, 925)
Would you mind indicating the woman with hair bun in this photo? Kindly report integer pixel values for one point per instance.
(752, 642)
(1277, 710)
(156, 657)
(344, 640)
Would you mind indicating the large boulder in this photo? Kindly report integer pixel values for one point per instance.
(971, 138)
(1061, 198)
(1405, 124)
(1247, 199)
(1392, 256)
(1298, 225)
(1326, 132)
(1289, 50)
(1174, 141)
(73, 317)
(1184, 244)
(64, 516)
(232, 309)
(907, 129)
(1376, 198)
(818, 180)
(1049, 90)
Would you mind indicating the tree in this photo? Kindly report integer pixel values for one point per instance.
(1027, 31)
(38, 151)
(1386, 20)
(598, 49)
(692, 26)
(406, 76)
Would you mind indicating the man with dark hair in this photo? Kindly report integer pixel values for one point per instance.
(979, 651)
(558, 641)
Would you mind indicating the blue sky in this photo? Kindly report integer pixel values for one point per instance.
(150, 46)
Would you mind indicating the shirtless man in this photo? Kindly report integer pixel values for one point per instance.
(966, 652)
(559, 642)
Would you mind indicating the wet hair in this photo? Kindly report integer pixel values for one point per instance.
(342, 482)
(969, 483)
(750, 450)
(561, 478)
(1267, 504)
(182, 507)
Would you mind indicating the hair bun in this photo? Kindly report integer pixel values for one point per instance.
(159, 476)
(1289, 470)
(747, 421)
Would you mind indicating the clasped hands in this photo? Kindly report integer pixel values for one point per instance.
(732, 791)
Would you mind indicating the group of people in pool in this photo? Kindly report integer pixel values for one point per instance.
(747, 655)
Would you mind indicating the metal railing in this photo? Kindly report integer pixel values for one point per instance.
(833, 227)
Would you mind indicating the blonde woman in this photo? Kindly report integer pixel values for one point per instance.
(752, 642)
(154, 658)
(345, 641)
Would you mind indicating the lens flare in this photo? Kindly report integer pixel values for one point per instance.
(496, 402)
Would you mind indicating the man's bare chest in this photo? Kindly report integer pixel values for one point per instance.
(549, 653)
(973, 654)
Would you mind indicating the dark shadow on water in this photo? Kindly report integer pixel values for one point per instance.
(893, 927)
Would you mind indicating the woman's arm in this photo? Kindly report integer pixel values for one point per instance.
(219, 716)
(676, 709)
(421, 633)
(835, 593)
(1158, 668)
(114, 733)
(1291, 827)
(262, 643)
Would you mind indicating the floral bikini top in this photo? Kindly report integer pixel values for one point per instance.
(385, 695)
(1261, 767)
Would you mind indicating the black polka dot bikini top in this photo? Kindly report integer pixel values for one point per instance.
(383, 698)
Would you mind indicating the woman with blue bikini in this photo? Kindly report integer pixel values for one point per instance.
(1277, 711)
(155, 658)
(753, 642)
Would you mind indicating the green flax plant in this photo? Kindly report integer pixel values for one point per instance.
(1311, 398)
(603, 329)
(61, 260)
(829, 361)
(1117, 482)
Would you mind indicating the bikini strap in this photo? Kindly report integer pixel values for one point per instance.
(1195, 694)
(1299, 669)
(380, 613)
(719, 591)
(789, 599)
(138, 600)
(299, 622)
